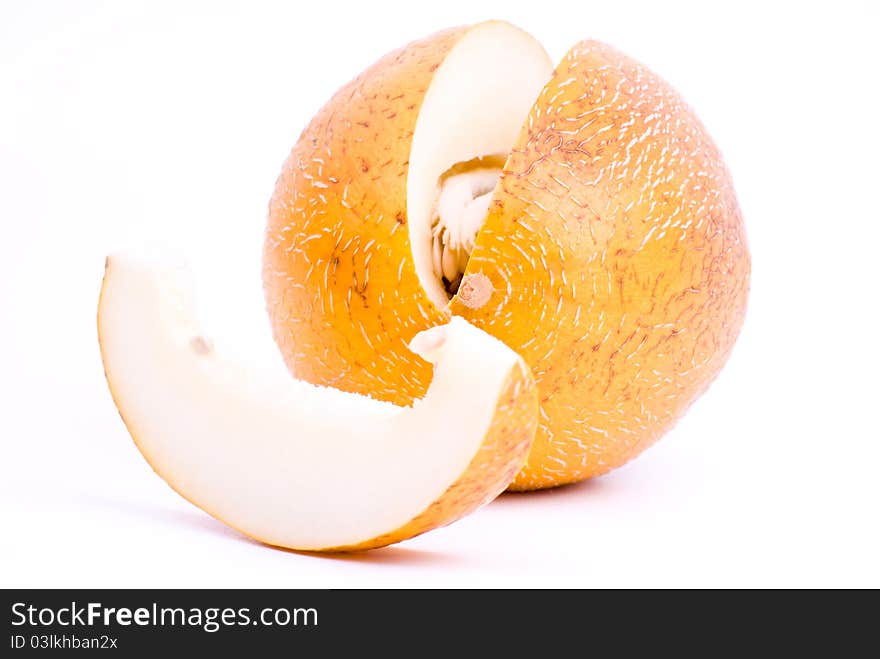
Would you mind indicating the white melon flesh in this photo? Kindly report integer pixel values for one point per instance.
(285, 462)
(476, 106)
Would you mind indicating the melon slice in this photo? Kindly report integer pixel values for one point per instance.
(302, 466)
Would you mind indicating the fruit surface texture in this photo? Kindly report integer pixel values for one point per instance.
(611, 253)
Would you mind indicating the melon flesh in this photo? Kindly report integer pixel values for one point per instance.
(471, 111)
(286, 462)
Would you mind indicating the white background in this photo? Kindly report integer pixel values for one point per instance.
(122, 123)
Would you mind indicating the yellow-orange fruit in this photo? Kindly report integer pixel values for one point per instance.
(613, 257)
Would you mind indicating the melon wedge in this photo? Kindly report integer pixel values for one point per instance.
(301, 466)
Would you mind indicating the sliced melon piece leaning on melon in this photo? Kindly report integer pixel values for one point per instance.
(301, 466)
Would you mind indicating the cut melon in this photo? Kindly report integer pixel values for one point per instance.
(302, 466)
